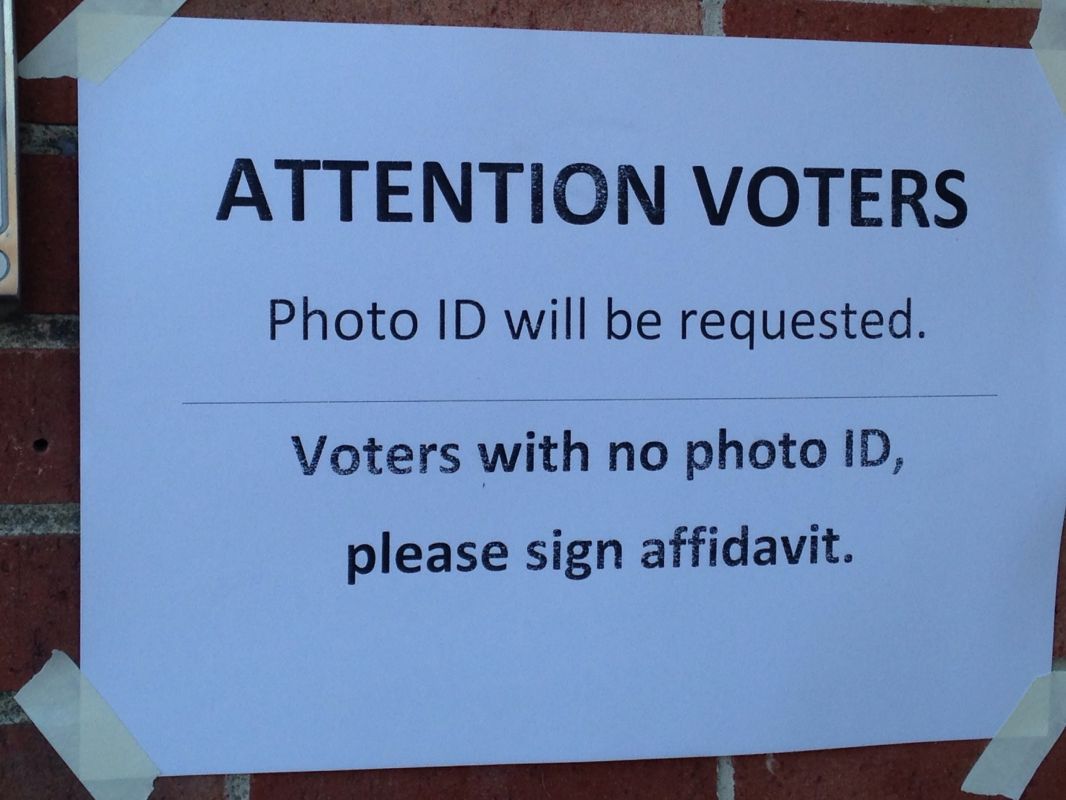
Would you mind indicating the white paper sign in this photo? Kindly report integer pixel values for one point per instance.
(707, 391)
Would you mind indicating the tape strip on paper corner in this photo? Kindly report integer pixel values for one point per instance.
(95, 38)
(86, 733)
(1049, 44)
(1021, 745)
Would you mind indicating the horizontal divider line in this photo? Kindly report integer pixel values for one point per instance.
(588, 399)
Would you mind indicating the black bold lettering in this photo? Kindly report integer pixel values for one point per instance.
(501, 170)
(387, 190)
(858, 197)
(345, 170)
(627, 177)
(257, 198)
(461, 205)
(599, 205)
(912, 198)
(717, 214)
(297, 167)
(951, 198)
(755, 196)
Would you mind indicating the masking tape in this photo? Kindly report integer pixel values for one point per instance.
(1049, 44)
(83, 729)
(1012, 757)
(96, 37)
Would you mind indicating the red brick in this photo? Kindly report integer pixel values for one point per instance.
(51, 100)
(1050, 779)
(38, 575)
(193, 787)
(670, 779)
(55, 100)
(43, 99)
(1059, 649)
(39, 602)
(31, 770)
(932, 771)
(35, 19)
(652, 16)
(39, 426)
(861, 22)
(49, 233)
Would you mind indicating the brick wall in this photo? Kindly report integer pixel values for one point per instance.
(39, 545)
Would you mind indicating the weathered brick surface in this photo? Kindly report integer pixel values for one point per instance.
(39, 602)
(35, 19)
(670, 779)
(43, 100)
(652, 16)
(31, 770)
(876, 22)
(39, 426)
(198, 787)
(932, 771)
(53, 100)
(1049, 782)
(49, 233)
(39, 574)
(1059, 650)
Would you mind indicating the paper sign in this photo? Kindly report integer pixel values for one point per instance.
(464, 396)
